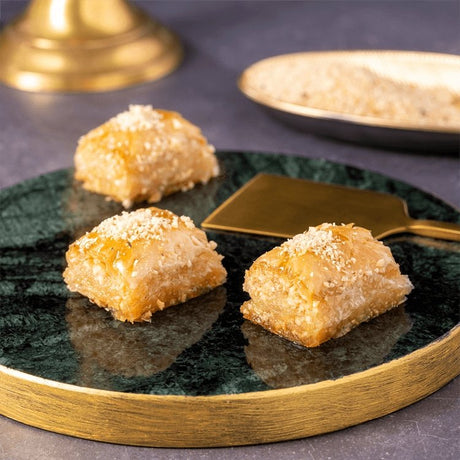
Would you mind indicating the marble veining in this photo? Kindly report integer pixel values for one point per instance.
(203, 347)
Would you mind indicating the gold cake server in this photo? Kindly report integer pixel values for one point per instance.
(282, 206)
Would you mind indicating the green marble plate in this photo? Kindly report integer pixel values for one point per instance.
(203, 347)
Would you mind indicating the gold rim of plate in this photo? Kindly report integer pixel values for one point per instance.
(248, 88)
(233, 419)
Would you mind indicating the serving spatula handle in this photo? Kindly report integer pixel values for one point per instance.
(434, 229)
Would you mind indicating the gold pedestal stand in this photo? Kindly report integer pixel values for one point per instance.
(85, 45)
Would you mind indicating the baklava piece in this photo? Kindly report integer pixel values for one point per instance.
(322, 283)
(137, 263)
(143, 154)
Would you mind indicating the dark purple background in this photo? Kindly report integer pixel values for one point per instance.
(38, 133)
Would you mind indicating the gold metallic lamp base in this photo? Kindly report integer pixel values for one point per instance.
(83, 45)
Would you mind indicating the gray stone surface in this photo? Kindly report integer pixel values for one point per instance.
(38, 133)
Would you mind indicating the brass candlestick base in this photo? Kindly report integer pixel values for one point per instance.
(85, 45)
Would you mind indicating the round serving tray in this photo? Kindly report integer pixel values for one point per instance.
(199, 375)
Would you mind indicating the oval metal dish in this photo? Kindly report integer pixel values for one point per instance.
(420, 68)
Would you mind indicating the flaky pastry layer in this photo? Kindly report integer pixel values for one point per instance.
(143, 154)
(138, 263)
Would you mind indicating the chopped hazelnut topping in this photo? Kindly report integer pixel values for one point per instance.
(136, 225)
(138, 117)
(318, 240)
